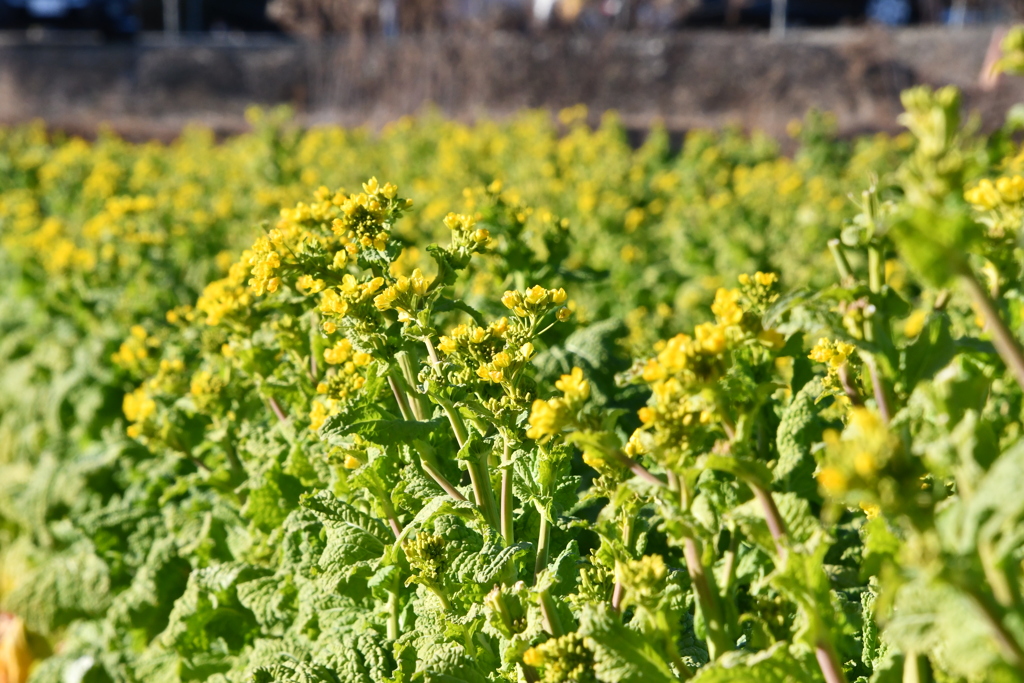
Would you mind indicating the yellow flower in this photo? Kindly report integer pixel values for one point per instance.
(547, 418)
(420, 284)
(574, 386)
(984, 195)
(915, 323)
(866, 464)
(512, 299)
(526, 351)
(870, 509)
(536, 295)
(339, 353)
(832, 480)
(447, 345)
(726, 307)
(385, 299)
(317, 416)
(710, 337)
(773, 338)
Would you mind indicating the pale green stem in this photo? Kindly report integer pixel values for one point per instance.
(507, 500)
(417, 402)
(1004, 341)
(393, 610)
(549, 614)
(876, 270)
(543, 541)
(842, 264)
(916, 668)
(399, 398)
(428, 460)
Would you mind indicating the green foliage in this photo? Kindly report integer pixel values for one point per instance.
(370, 440)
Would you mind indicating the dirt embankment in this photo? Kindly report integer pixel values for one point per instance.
(687, 80)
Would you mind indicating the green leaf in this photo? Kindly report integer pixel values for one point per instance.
(353, 537)
(934, 243)
(799, 429)
(381, 432)
(778, 664)
(744, 469)
(621, 655)
(933, 349)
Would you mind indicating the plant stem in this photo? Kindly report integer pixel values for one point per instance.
(439, 592)
(1004, 341)
(276, 407)
(635, 467)
(481, 479)
(428, 460)
(828, 661)
(616, 595)
(718, 641)
(776, 525)
(848, 387)
(543, 543)
(507, 499)
(842, 264)
(399, 398)
(730, 562)
(878, 385)
(417, 402)
(389, 512)
(456, 421)
(434, 360)
(393, 609)
(916, 668)
(1012, 651)
(876, 270)
(549, 612)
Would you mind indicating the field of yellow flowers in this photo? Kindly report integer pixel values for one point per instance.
(513, 401)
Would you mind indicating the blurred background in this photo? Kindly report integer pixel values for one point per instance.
(319, 19)
(147, 67)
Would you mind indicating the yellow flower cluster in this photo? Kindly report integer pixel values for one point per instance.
(226, 296)
(548, 418)
(404, 294)
(855, 460)
(342, 383)
(135, 350)
(643, 579)
(683, 376)
(263, 262)
(470, 338)
(343, 352)
(536, 301)
(465, 234)
(1000, 203)
(836, 355)
(565, 659)
(139, 405)
(726, 306)
(988, 195)
(350, 298)
(365, 218)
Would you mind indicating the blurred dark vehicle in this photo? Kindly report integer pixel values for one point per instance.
(759, 12)
(114, 18)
